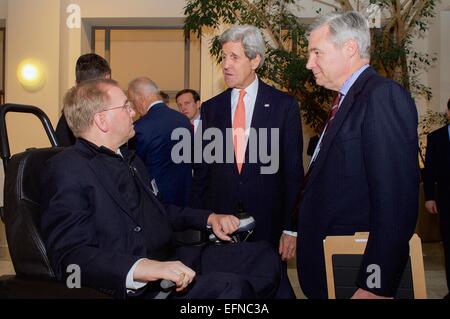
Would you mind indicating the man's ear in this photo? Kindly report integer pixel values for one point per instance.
(351, 48)
(100, 122)
(255, 62)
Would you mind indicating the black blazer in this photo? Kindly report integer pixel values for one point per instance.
(365, 178)
(87, 221)
(436, 180)
(270, 198)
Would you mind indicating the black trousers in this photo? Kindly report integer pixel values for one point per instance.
(246, 270)
(444, 219)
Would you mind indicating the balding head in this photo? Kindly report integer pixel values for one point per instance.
(142, 91)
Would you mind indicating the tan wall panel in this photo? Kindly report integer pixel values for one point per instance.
(32, 32)
(3, 9)
(195, 63)
(131, 8)
(158, 54)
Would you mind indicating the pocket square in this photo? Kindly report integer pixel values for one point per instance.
(266, 105)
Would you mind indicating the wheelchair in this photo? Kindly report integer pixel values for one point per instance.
(35, 278)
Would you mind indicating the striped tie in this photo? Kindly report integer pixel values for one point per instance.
(334, 109)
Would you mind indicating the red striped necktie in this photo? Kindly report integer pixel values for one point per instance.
(334, 109)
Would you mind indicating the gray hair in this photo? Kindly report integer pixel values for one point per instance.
(251, 38)
(83, 101)
(143, 86)
(345, 26)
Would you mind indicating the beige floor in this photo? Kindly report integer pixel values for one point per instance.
(433, 263)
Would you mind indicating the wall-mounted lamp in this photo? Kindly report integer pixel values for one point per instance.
(31, 74)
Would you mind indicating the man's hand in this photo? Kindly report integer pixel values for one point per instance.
(287, 247)
(364, 294)
(151, 270)
(222, 225)
(431, 206)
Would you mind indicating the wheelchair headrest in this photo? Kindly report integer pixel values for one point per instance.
(22, 212)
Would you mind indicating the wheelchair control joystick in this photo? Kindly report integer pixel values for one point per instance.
(246, 226)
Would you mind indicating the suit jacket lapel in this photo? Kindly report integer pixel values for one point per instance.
(224, 115)
(445, 143)
(146, 187)
(224, 109)
(261, 113)
(109, 185)
(262, 108)
(341, 114)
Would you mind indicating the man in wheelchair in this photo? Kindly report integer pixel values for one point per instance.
(100, 214)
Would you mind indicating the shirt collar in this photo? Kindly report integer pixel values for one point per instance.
(197, 118)
(349, 82)
(250, 90)
(154, 103)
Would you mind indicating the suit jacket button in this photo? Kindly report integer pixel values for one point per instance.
(137, 229)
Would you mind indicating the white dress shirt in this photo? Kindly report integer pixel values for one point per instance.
(195, 122)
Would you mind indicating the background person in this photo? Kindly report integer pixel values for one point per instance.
(89, 66)
(437, 185)
(188, 102)
(154, 144)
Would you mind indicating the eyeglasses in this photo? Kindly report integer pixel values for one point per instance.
(126, 107)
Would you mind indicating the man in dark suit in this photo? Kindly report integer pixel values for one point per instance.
(89, 66)
(99, 213)
(436, 184)
(154, 143)
(364, 172)
(254, 119)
